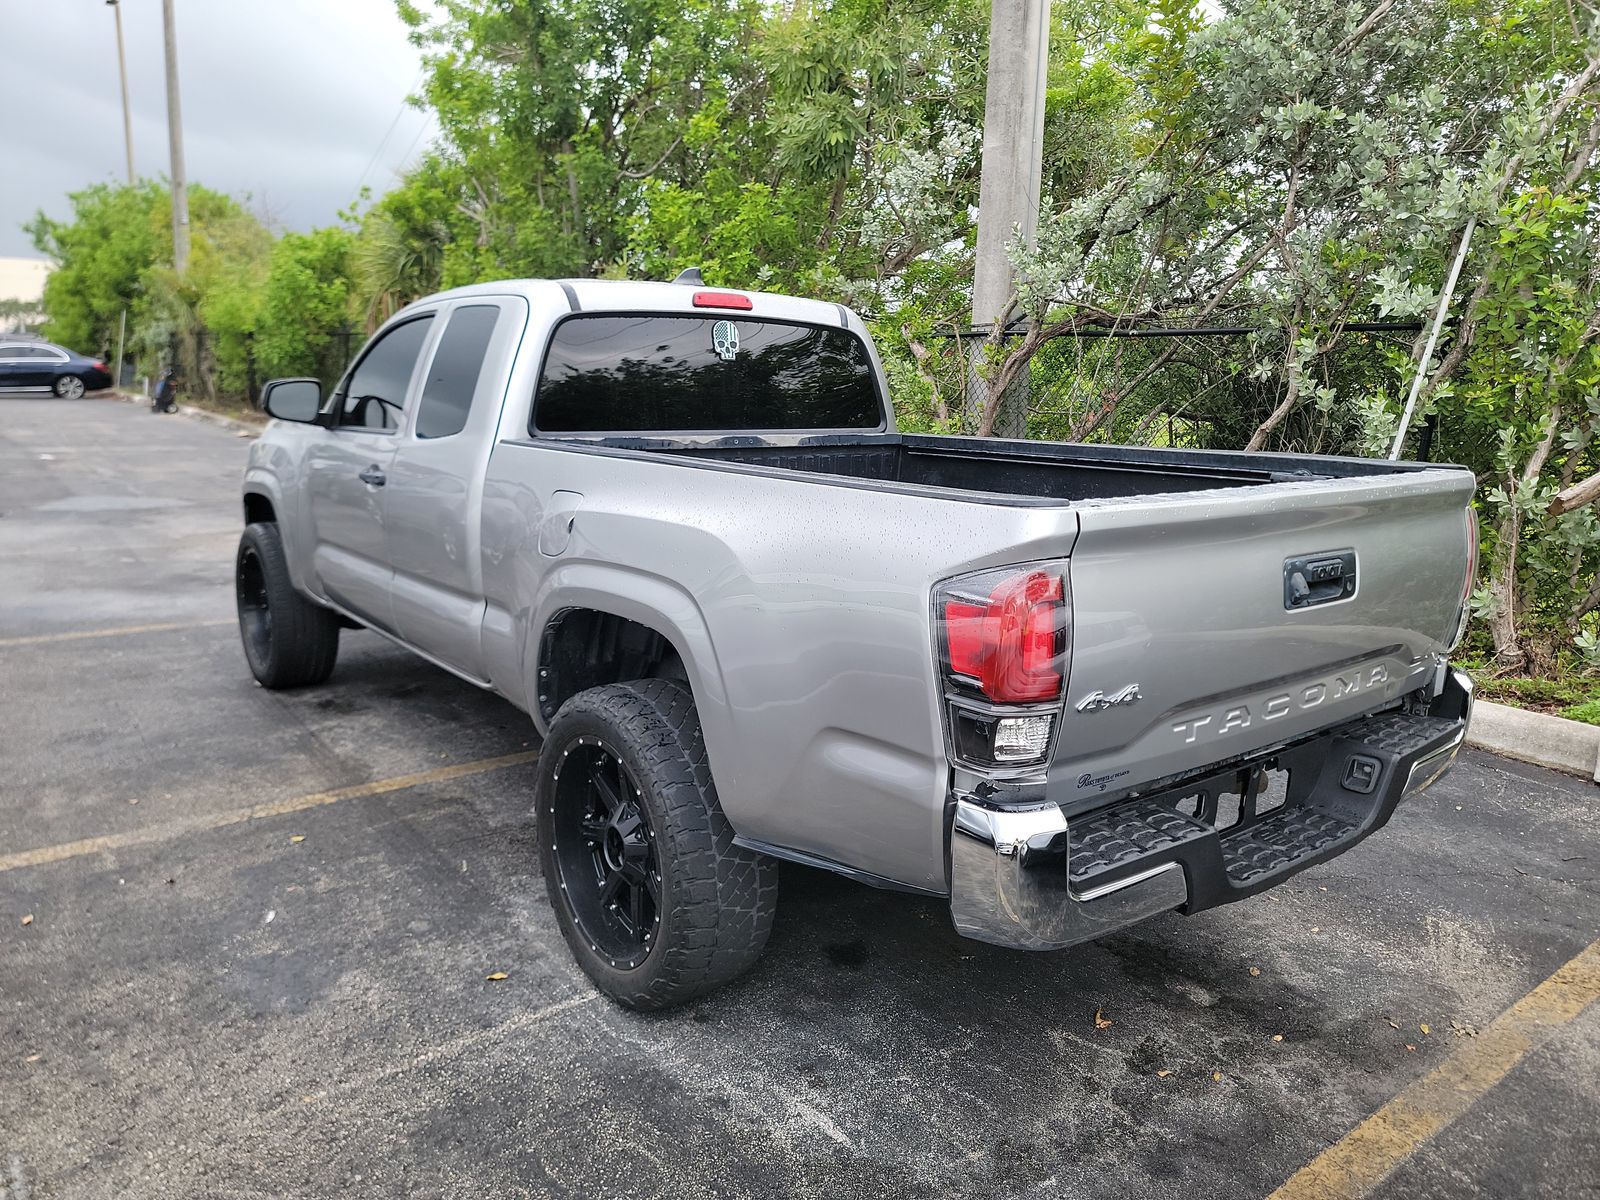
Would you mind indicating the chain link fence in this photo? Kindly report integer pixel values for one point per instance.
(229, 372)
(1194, 388)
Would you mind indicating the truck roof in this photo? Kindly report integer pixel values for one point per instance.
(623, 295)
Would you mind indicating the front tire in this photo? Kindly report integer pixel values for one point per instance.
(657, 903)
(288, 640)
(69, 387)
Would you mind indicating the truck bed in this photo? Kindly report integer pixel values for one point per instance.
(1182, 566)
(1047, 472)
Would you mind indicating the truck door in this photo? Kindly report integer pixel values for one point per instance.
(436, 482)
(347, 473)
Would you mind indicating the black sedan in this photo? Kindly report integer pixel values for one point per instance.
(35, 364)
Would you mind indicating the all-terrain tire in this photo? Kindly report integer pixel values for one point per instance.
(289, 641)
(717, 899)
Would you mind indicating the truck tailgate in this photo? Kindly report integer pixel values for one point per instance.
(1193, 643)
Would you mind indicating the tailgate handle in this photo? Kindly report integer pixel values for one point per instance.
(1313, 579)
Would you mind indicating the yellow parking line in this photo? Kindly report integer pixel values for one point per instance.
(38, 639)
(1364, 1157)
(238, 816)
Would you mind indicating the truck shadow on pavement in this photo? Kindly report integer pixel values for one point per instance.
(838, 943)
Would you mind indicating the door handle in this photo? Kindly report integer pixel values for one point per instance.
(373, 476)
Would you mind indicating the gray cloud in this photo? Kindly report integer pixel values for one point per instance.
(284, 101)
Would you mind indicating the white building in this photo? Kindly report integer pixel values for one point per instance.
(22, 284)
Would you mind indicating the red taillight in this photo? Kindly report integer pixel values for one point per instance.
(722, 300)
(98, 365)
(963, 625)
(1012, 644)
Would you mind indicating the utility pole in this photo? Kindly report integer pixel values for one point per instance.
(127, 145)
(122, 69)
(1013, 151)
(180, 187)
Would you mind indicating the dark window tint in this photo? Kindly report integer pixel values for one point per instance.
(453, 374)
(376, 394)
(646, 372)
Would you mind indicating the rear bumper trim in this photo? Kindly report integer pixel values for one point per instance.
(1009, 885)
(1009, 863)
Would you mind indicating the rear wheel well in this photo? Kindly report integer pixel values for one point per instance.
(258, 509)
(584, 648)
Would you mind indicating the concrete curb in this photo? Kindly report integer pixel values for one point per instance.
(1532, 737)
(244, 428)
(197, 414)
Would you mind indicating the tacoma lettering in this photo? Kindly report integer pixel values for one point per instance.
(1272, 708)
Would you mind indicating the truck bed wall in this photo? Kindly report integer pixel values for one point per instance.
(1045, 471)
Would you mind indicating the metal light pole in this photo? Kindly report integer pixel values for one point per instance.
(127, 145)
(180, 187)
(122, 69)
(1013, 151)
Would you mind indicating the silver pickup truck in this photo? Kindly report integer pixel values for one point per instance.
(1065, 687)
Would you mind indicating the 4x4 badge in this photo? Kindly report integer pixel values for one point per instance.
(1099, 701)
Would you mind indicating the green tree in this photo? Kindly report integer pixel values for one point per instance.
(305, 300)
(102, 257)
(554, 113)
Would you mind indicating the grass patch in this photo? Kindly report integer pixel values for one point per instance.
(1587, 712)
(1576, 697)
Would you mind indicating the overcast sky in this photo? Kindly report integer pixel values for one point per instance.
(286, 101)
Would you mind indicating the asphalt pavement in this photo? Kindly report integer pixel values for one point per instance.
(245, 942)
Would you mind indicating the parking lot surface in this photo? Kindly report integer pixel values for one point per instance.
(259, 929)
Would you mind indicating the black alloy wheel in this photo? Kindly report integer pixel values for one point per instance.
(289, 640)
(654, 896)
(605, 852)
(255, 610)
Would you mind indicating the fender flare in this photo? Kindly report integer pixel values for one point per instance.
(656, 603)
(262, 481)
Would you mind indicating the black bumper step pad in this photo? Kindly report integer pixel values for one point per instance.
(1279, 842)
(1398, 734)
(1138, 834)
(1342, 786)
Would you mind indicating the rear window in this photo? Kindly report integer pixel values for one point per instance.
(453, 375)
(654, 373)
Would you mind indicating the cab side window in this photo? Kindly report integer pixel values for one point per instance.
(454, 372)
(375, 395)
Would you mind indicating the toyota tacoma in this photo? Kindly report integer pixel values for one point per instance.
(1062, 687)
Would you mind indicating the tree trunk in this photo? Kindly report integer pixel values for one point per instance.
(1509, 655)
(1291, 395)
(923, 360)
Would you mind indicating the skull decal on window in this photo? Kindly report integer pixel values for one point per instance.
(725, 340)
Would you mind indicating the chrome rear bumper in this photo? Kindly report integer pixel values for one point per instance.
(1010, 882)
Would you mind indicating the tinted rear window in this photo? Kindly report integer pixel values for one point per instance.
(453, 374)
(658, 373)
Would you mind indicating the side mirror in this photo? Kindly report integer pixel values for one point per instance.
(293, 400)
